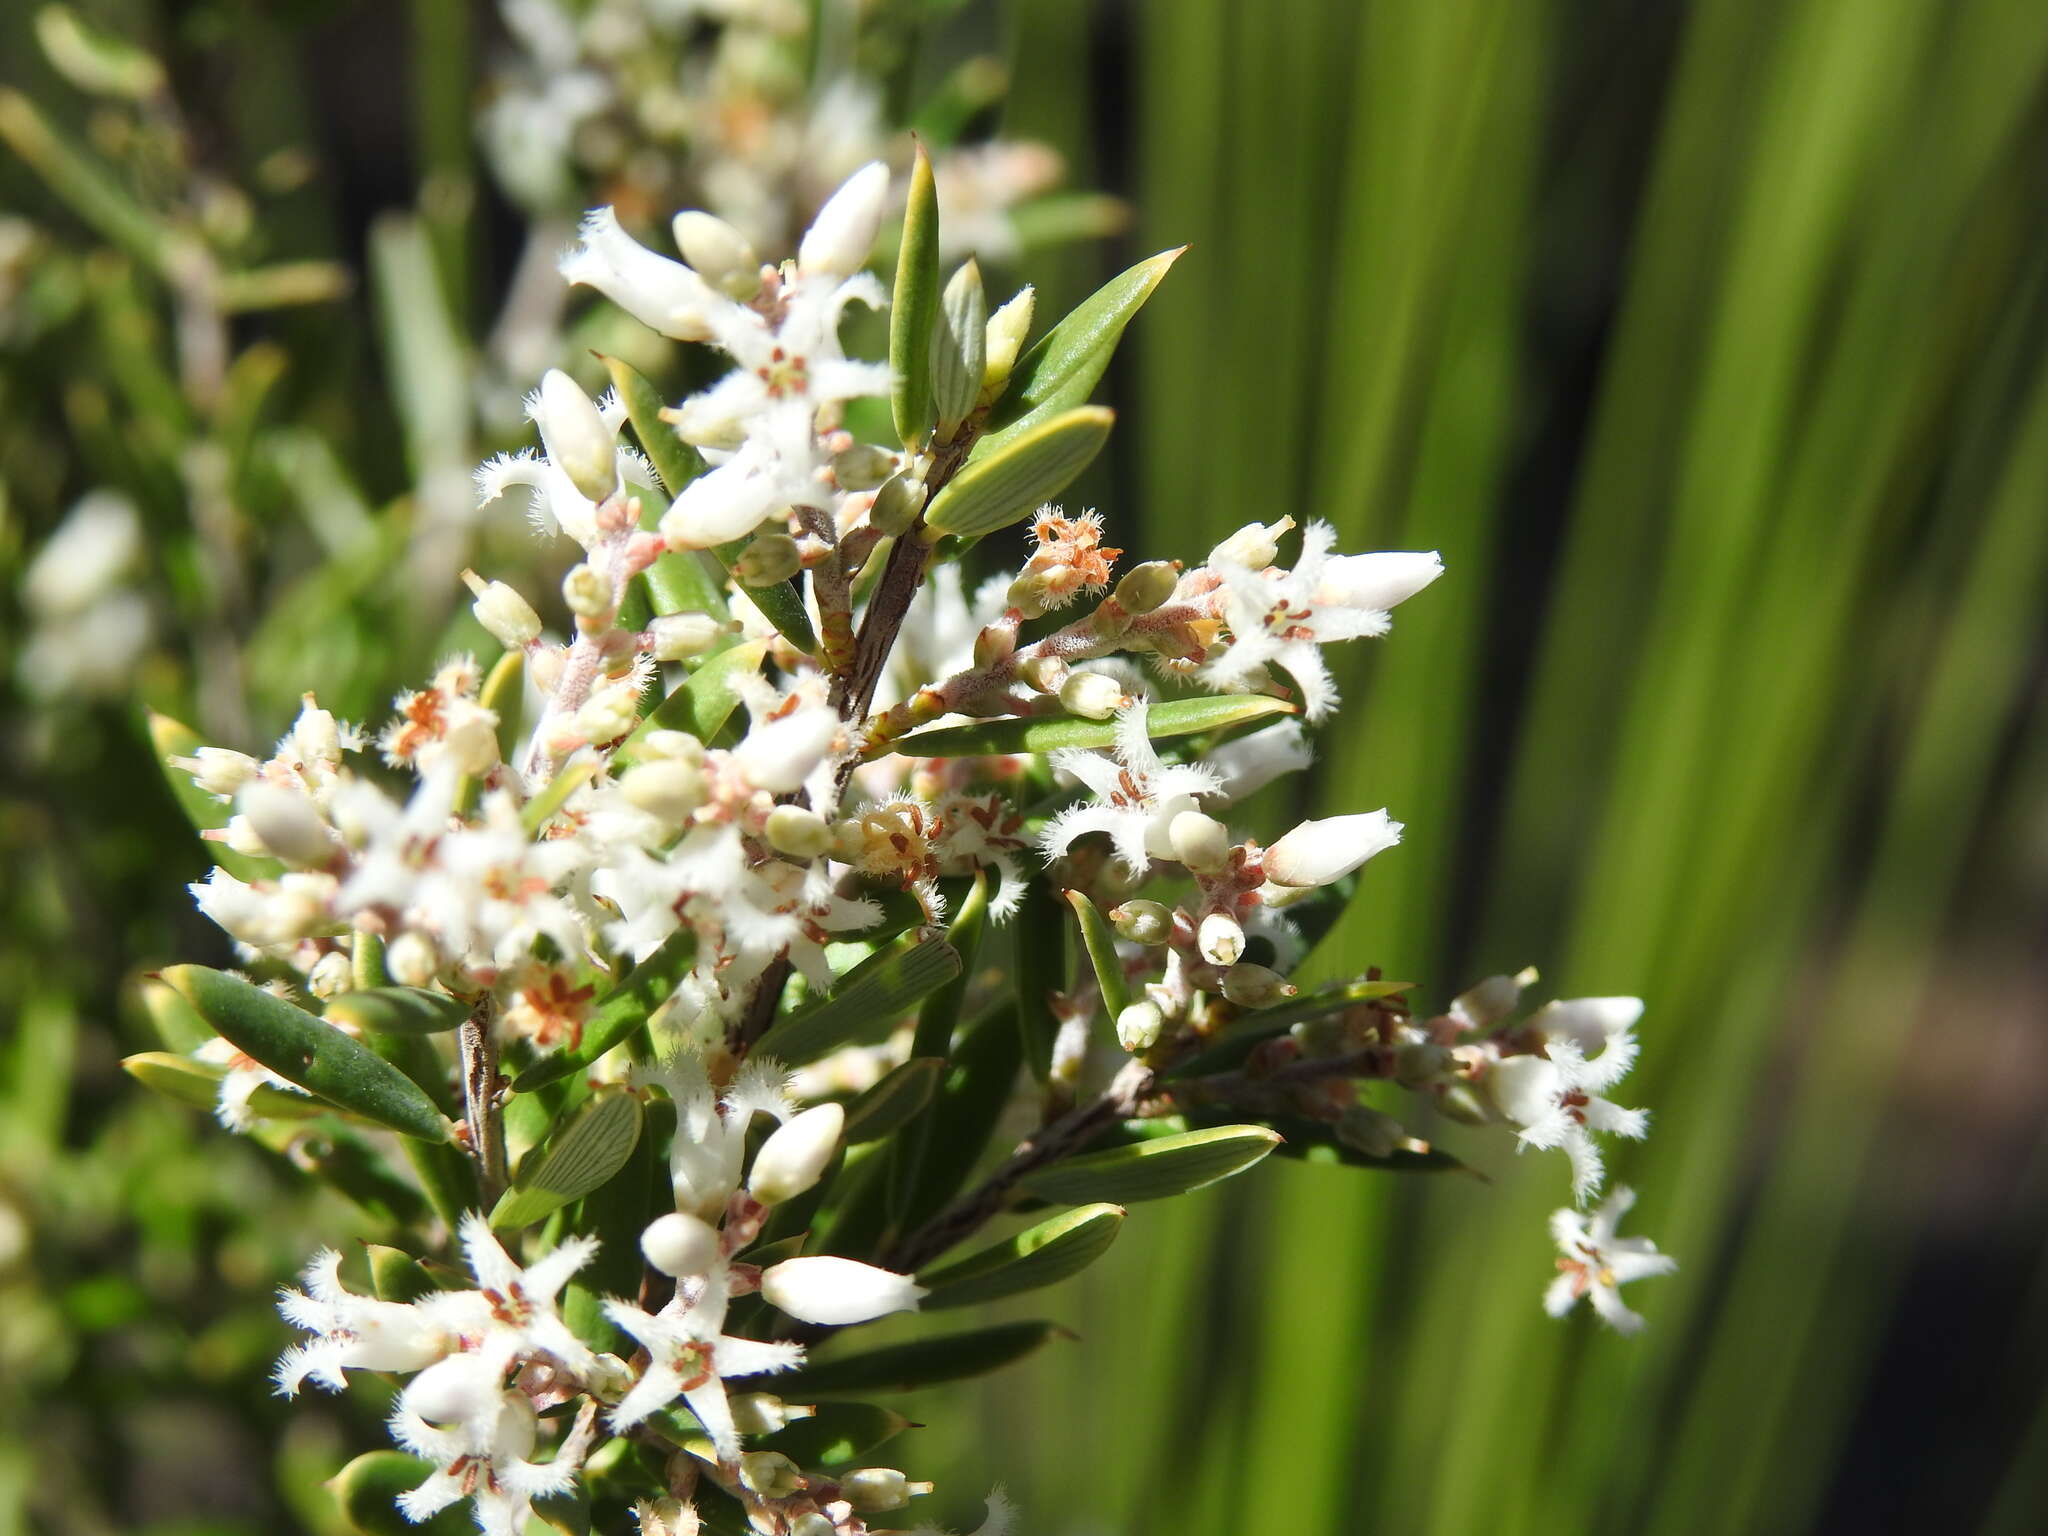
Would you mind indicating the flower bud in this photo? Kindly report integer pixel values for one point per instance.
(672, 747)
(586, 591)
(763, 1413)
(834, 1292)
(1143, 921)
(1031, 594)
(1376, 581)
(1199, 841)
(666, 788)
(679, 636)
(1007, 328)
(1485, 1003)
(1318, 852)
(812, 1524)
(770, 1474)
(796, 1155)
(1145, 587)
(799, 832)
(218, 771)
(1220, 939)
(609, 713)
(469, 741)
(1139, 1026)
(1420, 1063)
(1093, 695)
(680, 1244)
(769, 558)
(286, 823)
(657, 292)
(781, 754)
(896, 505)
(722, 256)
(460, 1389)
(863, 467)
(877, 1490)
(1367, 1130)
(1255, 544)
(1044, 674)
(578, 442)
(1256, 986)
(843, 233)
(1523, 1088)
(331, 974)
(412, 960)
(502, 611)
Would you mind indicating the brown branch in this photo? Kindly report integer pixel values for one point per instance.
(481, 1112)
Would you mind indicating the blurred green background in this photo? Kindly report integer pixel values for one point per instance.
(1705, 340)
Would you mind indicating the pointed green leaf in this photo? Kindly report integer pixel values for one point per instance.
(941, 1012)
(504, 695)
(959, 349)
(396, 1275)
(197, 1083)
(1039, 1256)
(618, 1013)
(706, 699)
(678, 581)
(914, 306)
(781, 604)
(397, 1011)
(1047, 733)
(920, 1363)
(1038, 970)
(837, 1435)
(1152, 1170)
(305, 1050)
(868, 998)
(1029, 469)
(1249, 1030)
(1061, 371)
(963, 1121)
(593, 1147)
(894, 1100)
(367, 1492)
(1100, 940)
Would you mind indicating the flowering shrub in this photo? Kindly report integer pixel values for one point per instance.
(692, 949)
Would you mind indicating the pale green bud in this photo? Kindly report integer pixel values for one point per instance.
(1007, 328)
(577, 440)
(675, 746)
(994, 644)
(770, 558)
(1256, 986)
(722, 255)
(770, 1474)
(896, 506)
(1143, 921)
(1093, 695)
(1421, 1062)
(1199, 841)
(679, 636)
(877, 1490)
(665, 787)
(1044, 674)
(799, 832)
(1139, 1027)
(763, 1413)
(586, 591)
(863, 467)
(1145, 587)
(508, 617)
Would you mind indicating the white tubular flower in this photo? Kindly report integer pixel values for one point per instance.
(1377, 582)
(1590, 1023)
(511, 1315)
(286, 823)
(576, 438)
(654, 290)
(1137, 795)
(778, 754)
(834, 1292)
(485, 1459)
(796, 1155)
(351, 1332)
(1556, 1101)
(1319, 852)
(218, 770)
(1486, 1003)
(1595, 1263)
(840, 237)
(1247, 765)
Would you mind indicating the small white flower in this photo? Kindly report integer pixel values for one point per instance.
(485, 1458)
(511, 1315)
(351, 1332)
(835, 1292)
(690, 1357)
(840, 237)
(1320, 852)
(1595, 1263)
(1248, 764)
(575, 435)
(1137, 795)
(796, 1154)
(1555, 1099)
(656, 291)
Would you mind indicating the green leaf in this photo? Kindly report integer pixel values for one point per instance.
(1311, 1141)
(447, 1175)
(1038, 969)
(706, 699)
(397, 1011)
(868, 998)
(781, 604)
(896, 1099)
(1039, 1256)
(618, 1013)
(962, 1122)
(1153, 1170)
(920, 1363)
(1029, 469)
(580, 769)
(304, 1050)
(396, 1275)
(1248, 1031)
(593, 1147)
(959, 349)
(941, 1012)
(1062, 369)
(837, 1435)
(197, 1083)
(170, 738)
(343, 1161)
(504, 694)
(1047, 733)
(367, 1490)
(1100, 940)
(913, 307)
(93, 60)
(678, 581)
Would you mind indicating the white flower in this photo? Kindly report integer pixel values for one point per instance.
(1137, 795)
(656, 291)
(840, 237)
(1320, 852)
(351, 1332)
(512, 1314)
(1555, 1099)
(796, 1154)
(1248, 764)
(1590, 1023)
(1594, 1262)
(484, 1457)
(836, 1292)
(690, 1357)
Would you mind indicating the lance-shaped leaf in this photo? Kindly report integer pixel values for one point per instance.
(894, 1100)
(1246, 1033)
(618, 1013)
(1047, 733)
(504, 694)
(920, 1363)
(587, 1152)
(197, 1083)
(344, 1162)
(913, 307)
(781, 604)
(304, 1050)
(1153, 1170)
(837, 1435)
(397, 1010)
(959, 349)
(1039, 1256)
(177, 1022)
(1061, 371)
(706, 699)
(963, 1120)
(367, 1492)
(881, 989)
(1028, 470)
(1039, 969)
(941, 1012)
(1312, 1141)
(1100, 940)
(396, 1275)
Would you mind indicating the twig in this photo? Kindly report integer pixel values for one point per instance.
(480, 1109)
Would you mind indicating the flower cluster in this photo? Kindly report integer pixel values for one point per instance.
(760, 790)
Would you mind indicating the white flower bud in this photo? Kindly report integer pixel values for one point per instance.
(609, 713)
(799, 832)
(679, 636)
(1523, 1088)
(1370, 1131)
(1143, 921)
(1318, 852)
(770, 1474)
(1249, 763)
(666, 788)
(763, 1413)
(796, 1155)
(1139, 1026)
(1255, 544)
(578, 442)
(331, 975)
(672, 746)
(411, 959)
(1421, 1062)
(1044, 674)
(834, 1292)
(840, 237)
(1485, 1003)
(680, 1244)
(994, 644)
(1199, 841)
(1256, 986)
(877, 1490)
(1220, 939)
(1093, 695)
(896, 505)
(1376, 581)
(286, 823)
(469, 743)
(586, 591)
(657, 292)
(1007, 328)
(780, 755)
(217, 770)
(722, 255)
(460, 1389)
(812, 1524)
(501, 610)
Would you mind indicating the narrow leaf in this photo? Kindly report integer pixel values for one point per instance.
(396, 1275)
(878, 991)
(837, 1435)
(1311, 1141)
(1248, 1031)
(593, 1147)
(197, 1083)
(618, 1013)
(1038, 970)
(170, 738)
(673, 459)
(706, 699)
(920, 1363)
(1006, 485)
(1038, 1256)
(914, 306)
(397, 1011)
(963, 1121)
(1100, 941)
(941, 1012)
(894, 1100)
(1047, 733)
(304, 1050)
(959, 349)
(1152, 1170)
(367, 1492)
